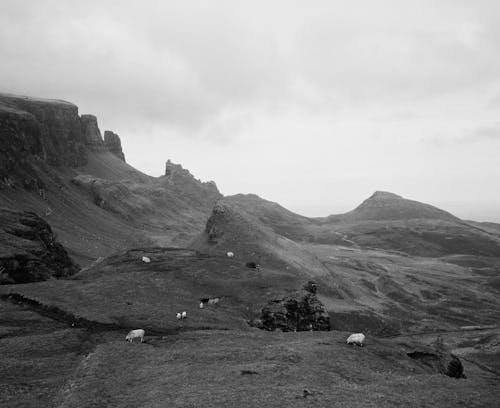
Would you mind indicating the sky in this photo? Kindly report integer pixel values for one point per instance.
(314, 105)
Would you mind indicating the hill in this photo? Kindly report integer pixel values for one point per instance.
(55, 163)
(265, 326)
(385, 206)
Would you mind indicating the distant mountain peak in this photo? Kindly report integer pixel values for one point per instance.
(383, 206)
(384, 195)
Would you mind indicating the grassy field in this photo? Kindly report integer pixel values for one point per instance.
(62, 343)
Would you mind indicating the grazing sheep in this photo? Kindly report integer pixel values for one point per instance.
(356, 338)
(213, 301)
(184, 315)
(146, 259)
(230, 254)
(201, 305)
(179, 316)
(135, 334)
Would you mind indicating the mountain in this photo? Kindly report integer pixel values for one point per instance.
(385, 206)
(267, 325)
(55, 163)
(391, 222)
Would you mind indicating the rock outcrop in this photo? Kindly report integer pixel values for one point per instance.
(439, 361)
(186, 186)
(294, 314)
(113, 144)
(91, 132)
(38, 130)
(29, 251)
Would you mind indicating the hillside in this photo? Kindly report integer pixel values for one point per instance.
(266, 326)
(55, 163)
(385, 206)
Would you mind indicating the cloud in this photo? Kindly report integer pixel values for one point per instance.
(349, 94)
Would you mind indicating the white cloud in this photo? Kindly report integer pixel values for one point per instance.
(329, 99)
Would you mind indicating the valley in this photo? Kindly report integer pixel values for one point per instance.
(77, 222)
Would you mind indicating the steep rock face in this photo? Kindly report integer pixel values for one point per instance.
(91, 132)
(113, 144)
(186, 186)
(29, 251)
(45, 130)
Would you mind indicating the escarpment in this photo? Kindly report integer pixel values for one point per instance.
(35, 131)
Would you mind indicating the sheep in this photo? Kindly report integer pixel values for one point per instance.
(145, 259)
(213, 301)
(135, 334)
(356, 338)
(201, 305)
(179, 316)
(230, 254)
(184, 315)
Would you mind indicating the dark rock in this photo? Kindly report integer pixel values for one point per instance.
(29, 251)
(185, 185)
(291, 314)
(439, 361)
(113, 144)
(91, 132)
(38, 130)
(252, 265)
(311, 287)
(248, 372)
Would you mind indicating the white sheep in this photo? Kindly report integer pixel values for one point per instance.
(184, 315)
(356, 338)
(135, 334)
(179, 316)
(230, 254)
(145, 259)
(201, 305)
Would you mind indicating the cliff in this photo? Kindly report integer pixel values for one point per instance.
(34, 130)
(113, 144)
(55, 163)
(29, 251)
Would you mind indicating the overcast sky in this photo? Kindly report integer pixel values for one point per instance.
(311, 104)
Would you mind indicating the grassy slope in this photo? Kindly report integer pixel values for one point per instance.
(139, 211)
(182, 364)
(208, 369)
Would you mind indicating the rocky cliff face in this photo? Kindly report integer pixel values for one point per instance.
(306, 313)
(113, 144)
(44, 131)
(38, 130)
(181, 181)
(29, 251)
(56, 163)
(91, 133)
